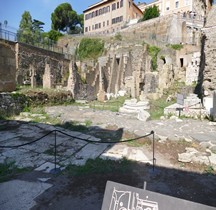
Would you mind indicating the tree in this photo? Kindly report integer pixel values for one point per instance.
(53, 35)
(151, 12)
(64, 18)
(37, 29)
(25, 32)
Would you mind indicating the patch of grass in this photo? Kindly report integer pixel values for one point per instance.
(176, 46)
(99, 166)
(88, 123)
(139, 143)
(112, 105)
(157, 107)
(9, 170)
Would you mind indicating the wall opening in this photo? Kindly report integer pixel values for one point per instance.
(181, 62)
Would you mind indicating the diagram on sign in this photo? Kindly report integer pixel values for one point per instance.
(126, 200)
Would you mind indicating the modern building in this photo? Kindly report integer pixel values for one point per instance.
(108, 16)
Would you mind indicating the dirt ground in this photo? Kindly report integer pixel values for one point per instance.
(193, 182)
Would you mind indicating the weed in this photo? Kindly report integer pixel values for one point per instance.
(50, 152)
(118, 37)
(209, 170)
(153, 52)
(88, 123)
(9, 170)
(176, 46)
(98, 166)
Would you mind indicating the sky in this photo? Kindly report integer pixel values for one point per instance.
(12, 10)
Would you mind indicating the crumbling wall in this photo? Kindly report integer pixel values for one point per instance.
(32, 62)
(207, 77)
(7, 67)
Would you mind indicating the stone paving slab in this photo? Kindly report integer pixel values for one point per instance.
(20, 195)
(47, 167)
(90, 151)
(120, 151)
(205, 138)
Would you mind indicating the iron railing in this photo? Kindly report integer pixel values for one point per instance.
(43, 43)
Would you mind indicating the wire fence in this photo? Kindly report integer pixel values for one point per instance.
(81, 139)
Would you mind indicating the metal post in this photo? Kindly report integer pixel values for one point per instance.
(153, 153)
(55, 150)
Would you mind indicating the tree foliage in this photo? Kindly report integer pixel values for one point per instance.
(65, 19)
(90, 48)
(25, 32)
(53, 35)
(151, 12)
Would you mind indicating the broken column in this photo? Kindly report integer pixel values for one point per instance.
(47, 77)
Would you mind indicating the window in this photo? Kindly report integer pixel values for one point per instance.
(167, 5)
(177, 4)
(96, 13)
(99, 25)
(86, 29)
(121, 3)
(108, 8)
(92, 27)
(104, 24)
(107, 22)
(117, 5)
(89, 28)
(114, 6)
(117, 20)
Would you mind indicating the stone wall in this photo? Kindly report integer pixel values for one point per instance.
(208, 71)
(7, 67)
(11, 104)
(40, 67)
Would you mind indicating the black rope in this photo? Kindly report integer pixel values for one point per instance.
(82, 139)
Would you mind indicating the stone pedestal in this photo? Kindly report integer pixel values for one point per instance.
(192, 101)
(136, 108)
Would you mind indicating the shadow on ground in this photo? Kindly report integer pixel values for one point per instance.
(82, 188)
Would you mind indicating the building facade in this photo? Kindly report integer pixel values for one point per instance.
(167, 7)
(109, 16)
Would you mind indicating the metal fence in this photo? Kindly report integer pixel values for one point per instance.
(44, 43)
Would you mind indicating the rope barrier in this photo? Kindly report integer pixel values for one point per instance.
(82, 139)
(76, 137)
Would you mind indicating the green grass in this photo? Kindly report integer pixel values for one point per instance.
(111, 105)
(99, 166)
(9, 170)
(139, 143)
(157, 107)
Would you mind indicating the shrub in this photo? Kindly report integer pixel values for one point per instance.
(90, 48)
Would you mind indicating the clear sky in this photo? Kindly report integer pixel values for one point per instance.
(12, 10)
